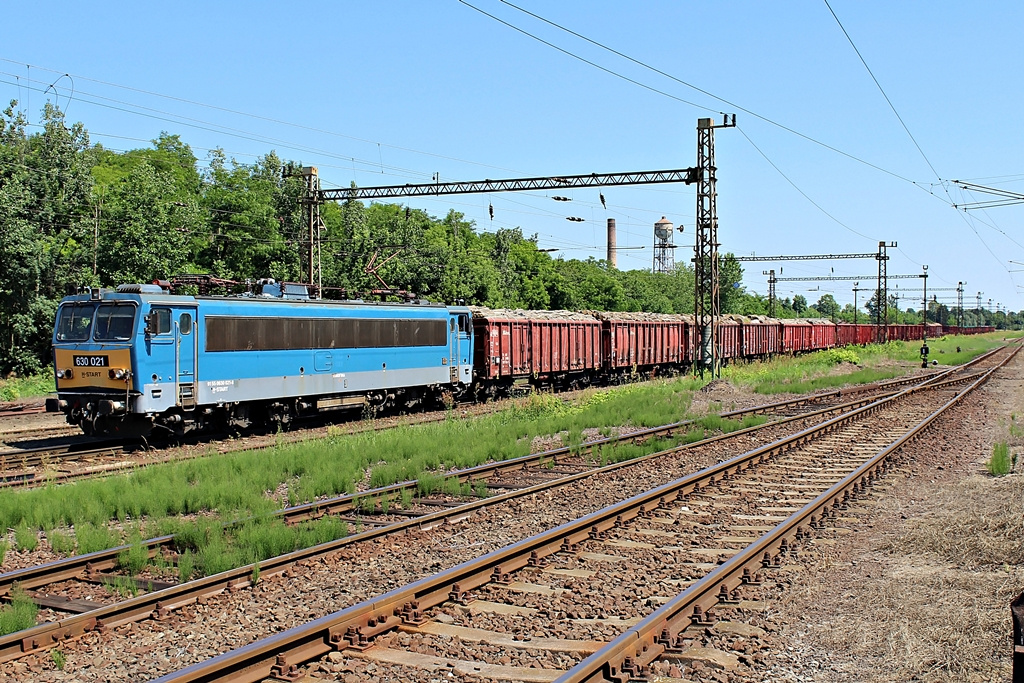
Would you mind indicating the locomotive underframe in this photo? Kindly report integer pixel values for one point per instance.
(102, 412)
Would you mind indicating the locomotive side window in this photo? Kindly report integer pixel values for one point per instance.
(185, 323)
(114, 322)
(464, 323)
(230, 333)
(159, 321)
(75, 321)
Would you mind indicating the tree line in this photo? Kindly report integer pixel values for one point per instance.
(73, 213)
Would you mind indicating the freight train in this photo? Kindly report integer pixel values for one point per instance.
(139, 360)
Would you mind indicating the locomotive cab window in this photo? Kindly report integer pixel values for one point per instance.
(75, 321)
(114, 322)
(158, 321)
(463, 323)
(185, 323)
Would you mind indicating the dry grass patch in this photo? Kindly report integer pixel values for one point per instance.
(977, 523)
(925, 596)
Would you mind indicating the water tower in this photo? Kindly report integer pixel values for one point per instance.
(664, 258)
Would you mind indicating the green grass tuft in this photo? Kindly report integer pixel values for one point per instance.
(26, 537)
(999, 464)
(19, 615)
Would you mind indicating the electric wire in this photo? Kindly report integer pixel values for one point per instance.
(660, 72)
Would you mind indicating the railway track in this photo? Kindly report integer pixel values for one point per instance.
(95, 618)
(652, 568)
(16, 409)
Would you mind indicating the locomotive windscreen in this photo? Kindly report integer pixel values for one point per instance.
(230, 333)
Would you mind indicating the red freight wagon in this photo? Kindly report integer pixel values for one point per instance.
(761, 336)
(796, 336)
(730, 330)
(542, 347)
(640, 340)
(857, 335)
(823, 334)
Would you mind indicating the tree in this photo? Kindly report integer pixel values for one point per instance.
(730, 275)
(146, 231)
(827, 306)
(799, 303)
(45, 225)
(252, 236)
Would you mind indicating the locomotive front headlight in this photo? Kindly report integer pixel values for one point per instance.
(65, 374)
(117, 373)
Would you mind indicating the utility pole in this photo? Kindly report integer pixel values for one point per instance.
(771, 291)
(856, 288)
(978, 310)
(924, 309)
(882, 296)
(706, 294)
(960, 304)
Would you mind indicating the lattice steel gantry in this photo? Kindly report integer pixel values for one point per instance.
(705, 263)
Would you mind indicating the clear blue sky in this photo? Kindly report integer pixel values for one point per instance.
(394, 91)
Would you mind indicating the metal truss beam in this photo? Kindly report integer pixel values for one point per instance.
(806, 257)
(684, 175)
(838, 278)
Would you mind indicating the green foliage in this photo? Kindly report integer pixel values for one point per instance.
(843, 355)
(26, 537)
(186, 567)
(26, 387)
(999, 463)
(124, 587)
(62, 542)
(19, 615)
(59, 659)
(135, 558)
(93, 537)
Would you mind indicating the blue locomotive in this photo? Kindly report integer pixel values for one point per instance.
(138, 360)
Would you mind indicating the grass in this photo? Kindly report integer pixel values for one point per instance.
(876, 362)
(27, 387)
(26, 537)
(19, 615)
(233, 486)
(999, 464)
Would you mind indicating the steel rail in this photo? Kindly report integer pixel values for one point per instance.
(280, 655)
(159, 603)
(21, 409)
(659, 632)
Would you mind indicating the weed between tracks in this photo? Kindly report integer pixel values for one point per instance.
(19, 614)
